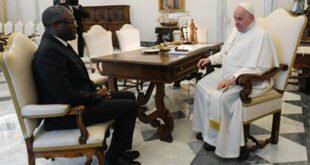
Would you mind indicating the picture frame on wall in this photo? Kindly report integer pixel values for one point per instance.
(172, 5)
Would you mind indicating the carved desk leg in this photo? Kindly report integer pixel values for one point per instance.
(112, 84)
(165, 129)
(161, 117)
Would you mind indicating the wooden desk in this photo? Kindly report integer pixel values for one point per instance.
(157, 69)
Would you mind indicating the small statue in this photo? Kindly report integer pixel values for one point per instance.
(192, 32)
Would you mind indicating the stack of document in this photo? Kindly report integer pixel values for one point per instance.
(304, 50)
(184, 49)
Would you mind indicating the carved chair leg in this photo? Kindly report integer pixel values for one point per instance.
(88, 159)
(246, 133)
(100, 156)
(275, 127)
(31, 160)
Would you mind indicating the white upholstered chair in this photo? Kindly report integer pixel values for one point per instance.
(8, 28)
(285, 31)
(29, 28)
(84, 141)
(98, 42)
(39, 30)
(128, 38)
(1, 27)
(19, 27)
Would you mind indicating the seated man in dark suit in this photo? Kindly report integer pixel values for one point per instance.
(62, 78)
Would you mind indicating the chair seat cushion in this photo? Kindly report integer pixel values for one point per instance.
(268, 103)
(67, 139)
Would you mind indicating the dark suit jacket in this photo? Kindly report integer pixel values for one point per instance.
(60, 75)
(61, 78)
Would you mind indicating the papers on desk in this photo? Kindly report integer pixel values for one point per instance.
(184, 49)
(304, 50)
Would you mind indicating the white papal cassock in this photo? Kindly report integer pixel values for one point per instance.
(218, 113)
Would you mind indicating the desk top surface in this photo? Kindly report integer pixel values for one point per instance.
(139, 57)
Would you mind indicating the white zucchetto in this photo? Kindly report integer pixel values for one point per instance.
(248, 7)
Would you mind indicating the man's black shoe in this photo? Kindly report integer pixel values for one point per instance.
(121, 160)
(131, 154)
(244, 154)
(208, 147)
(199, 136)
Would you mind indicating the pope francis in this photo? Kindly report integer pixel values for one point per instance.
(217, 106)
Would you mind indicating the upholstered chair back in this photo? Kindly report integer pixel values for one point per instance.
(284, 31)
(1, 27)
(98, 41)
(128, 38)
(16, 64)
(8, 28)
(19, 27)
(39, 30)
(29, 28)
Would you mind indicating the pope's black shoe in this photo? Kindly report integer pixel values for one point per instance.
(208, 147)
(244, 154)
(131, 154)
(121, 160)
(199, 136)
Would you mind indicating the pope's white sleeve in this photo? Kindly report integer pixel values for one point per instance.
(216, 58)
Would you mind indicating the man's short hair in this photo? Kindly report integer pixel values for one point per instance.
(53, 14)
(73, 2)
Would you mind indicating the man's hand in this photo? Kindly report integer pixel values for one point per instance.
(202, 62)
(225, 84)
(104, 93)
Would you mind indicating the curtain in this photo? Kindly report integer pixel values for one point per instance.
(3, 11)
(221, 24)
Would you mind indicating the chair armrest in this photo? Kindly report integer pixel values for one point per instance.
(78, 111)
(58, 110)
(45, 111)
(246, 80)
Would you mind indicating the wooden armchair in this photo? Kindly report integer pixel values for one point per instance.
(98, 42)
(16, 63)
(286, 32)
